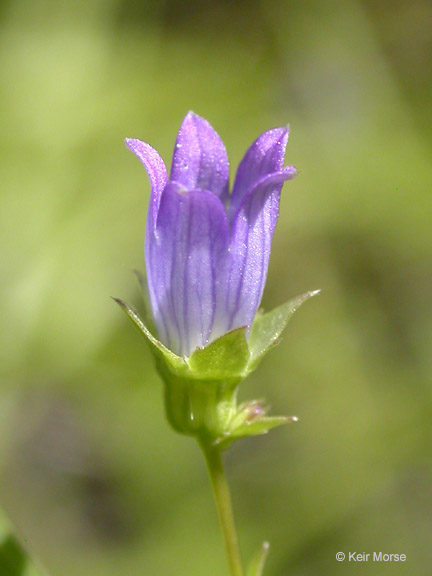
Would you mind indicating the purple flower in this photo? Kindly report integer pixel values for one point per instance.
(206, 249)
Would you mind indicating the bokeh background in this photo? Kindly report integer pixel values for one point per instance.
(90, 473)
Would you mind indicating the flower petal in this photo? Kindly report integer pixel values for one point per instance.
(156, 171)
(265, 156)
(200, 159)
(186, 257)
(252, 231)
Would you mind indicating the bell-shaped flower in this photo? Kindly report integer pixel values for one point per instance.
(207, 249)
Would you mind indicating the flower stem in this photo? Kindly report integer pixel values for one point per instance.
(224, 507)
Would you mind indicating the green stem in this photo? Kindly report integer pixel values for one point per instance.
(224, 507)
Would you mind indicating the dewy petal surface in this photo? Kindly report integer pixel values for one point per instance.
(265, 156)
(200, 159)
(186, 266)
(206, 252)
(156, 171)
(251, 236)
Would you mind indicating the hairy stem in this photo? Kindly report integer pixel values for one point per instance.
(224, 507)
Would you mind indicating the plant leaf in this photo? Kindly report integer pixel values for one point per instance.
(256, 566)
(14, 558)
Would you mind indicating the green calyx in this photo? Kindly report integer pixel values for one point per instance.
(201, 390)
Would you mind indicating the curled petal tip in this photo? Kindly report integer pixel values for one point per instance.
(132, 143)
(291, 170)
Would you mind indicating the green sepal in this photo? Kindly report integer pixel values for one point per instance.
(259, 426)
(250, 419)
(175, 362)
(256, 565)
(200, 390)
(226, 357)
(267, 328)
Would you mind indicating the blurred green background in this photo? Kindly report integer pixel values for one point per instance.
(90, 473)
